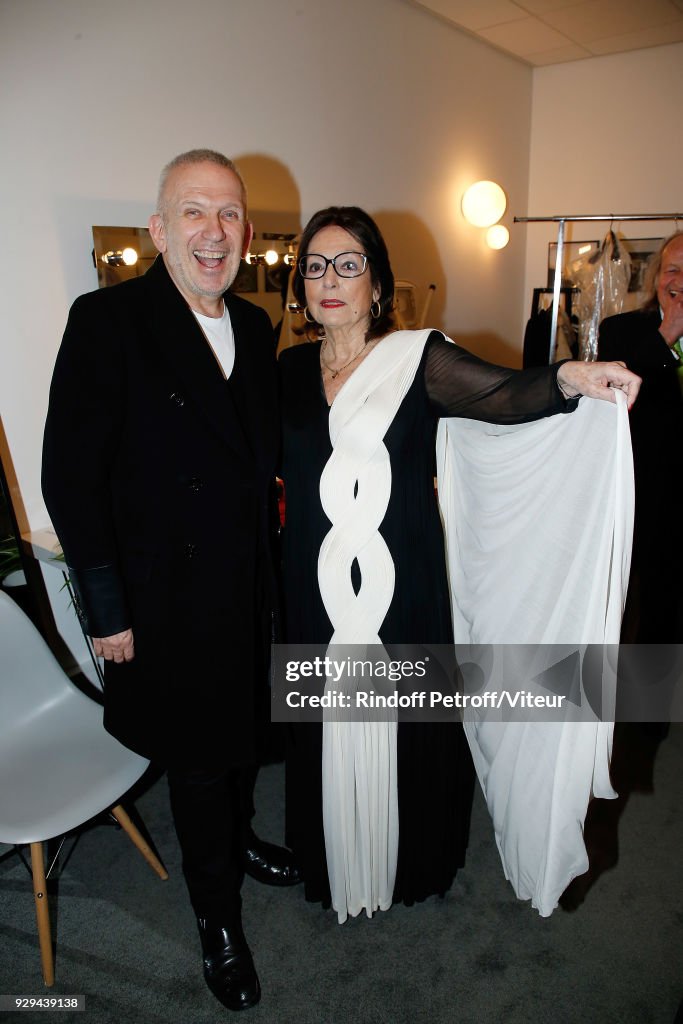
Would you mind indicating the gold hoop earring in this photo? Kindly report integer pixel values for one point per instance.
(377, 315)
(307, 317)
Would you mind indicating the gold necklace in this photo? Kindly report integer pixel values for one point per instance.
(335, 373)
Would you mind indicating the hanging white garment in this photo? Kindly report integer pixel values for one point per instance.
(539, 520)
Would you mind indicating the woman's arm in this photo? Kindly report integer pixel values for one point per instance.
(460, 384)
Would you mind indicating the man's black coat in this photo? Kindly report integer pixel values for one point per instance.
(158, 473)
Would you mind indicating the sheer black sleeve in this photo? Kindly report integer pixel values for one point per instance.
(460, 384)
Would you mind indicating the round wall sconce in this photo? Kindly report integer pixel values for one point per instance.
(483, 204)
(497, 237)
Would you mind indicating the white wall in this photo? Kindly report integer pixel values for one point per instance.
(320, 101)
(607, 137)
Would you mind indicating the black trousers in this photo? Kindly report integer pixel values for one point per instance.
(212, 809)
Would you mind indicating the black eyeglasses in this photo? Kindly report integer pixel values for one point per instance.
(346, 264)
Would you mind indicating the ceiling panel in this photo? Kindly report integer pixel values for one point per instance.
(552, 31)
(654, 36)
(598, 19)
(526, 36)
(475, 14)
(543, 6)
(559, 55)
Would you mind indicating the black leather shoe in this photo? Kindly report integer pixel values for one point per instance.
(270, 864)
(228, 967)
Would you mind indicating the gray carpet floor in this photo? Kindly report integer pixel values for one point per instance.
(612, 953)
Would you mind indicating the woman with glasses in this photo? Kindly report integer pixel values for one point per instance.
(387, 818)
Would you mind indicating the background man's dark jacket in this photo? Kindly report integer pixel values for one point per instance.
(653, 611)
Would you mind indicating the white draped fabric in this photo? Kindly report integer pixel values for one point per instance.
(536, 534)
(539, 521)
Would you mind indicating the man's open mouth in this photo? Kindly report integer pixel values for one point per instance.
(208, 258)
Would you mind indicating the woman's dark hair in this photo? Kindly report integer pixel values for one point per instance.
(650, 301)
(363, 228)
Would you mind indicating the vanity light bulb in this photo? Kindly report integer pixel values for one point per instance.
(129, 256)
(271, 257)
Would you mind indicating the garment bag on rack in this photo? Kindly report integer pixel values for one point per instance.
(603, 278)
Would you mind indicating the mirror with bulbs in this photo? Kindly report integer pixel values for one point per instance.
(120, 253)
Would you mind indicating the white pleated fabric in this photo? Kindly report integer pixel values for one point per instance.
(539, 521)
(360, 799)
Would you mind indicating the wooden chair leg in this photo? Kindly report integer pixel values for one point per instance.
(42, 913)
(136, 838)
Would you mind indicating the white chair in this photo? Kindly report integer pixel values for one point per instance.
(58, 766)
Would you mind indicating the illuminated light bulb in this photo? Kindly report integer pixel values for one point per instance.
(248, 258)
(129, 256)
(483, 204)
(271, 257)
(497, 237)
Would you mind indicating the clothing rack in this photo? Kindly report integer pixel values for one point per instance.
(562, 219)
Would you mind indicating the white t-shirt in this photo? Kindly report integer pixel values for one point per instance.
(219, 334)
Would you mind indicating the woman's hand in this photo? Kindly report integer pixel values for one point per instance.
(598, 380)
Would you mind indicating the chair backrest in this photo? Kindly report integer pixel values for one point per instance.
(405, 305)
(30, 675)
(290, 320)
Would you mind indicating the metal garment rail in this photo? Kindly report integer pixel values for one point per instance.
(562, 219)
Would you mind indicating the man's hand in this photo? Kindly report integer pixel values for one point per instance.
(672, 319)
(118, 647)
(598, 380)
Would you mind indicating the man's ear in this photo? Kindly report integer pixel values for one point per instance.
(248, 235)
(156, 230)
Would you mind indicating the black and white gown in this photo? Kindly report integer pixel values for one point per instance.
(434, 768)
